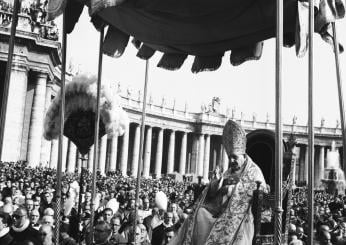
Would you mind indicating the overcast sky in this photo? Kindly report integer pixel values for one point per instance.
(249, 88)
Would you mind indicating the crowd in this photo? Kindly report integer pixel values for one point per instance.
(27, 206)
(37, 11)
(329, 218)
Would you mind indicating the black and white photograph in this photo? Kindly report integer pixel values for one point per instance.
(172, 122)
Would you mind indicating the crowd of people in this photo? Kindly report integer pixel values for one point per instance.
(329, 218)
(28, 205)
(36, 11)
(27, 208)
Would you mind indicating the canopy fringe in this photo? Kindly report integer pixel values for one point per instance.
(171, 61)
(115, 42)
(206, 63)
(73, 11)
(246, 53)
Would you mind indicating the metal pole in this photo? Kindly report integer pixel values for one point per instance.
(140, 159)
(278, 123)
(16, 9)
(61, 134)
(96, 140)
(311, 128)
(341, 95)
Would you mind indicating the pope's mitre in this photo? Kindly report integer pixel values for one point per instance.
(234, 138)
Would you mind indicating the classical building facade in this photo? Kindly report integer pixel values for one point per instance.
(33, 76)
(175, 140)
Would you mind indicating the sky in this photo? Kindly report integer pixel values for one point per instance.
(248, 88)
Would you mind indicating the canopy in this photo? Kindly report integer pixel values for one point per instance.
(204, 29)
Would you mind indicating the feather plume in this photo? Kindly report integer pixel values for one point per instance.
(81, 95)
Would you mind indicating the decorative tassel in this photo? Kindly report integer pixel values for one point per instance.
(289, 39)
(172, 61)
(206, 63)
(246, 53)
(98, 22)
(145, 52)
(115, 42)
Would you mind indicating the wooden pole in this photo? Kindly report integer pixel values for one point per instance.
(278, 124)
(311, 128)
(96, 140)
(140, 159)
(61, 133)
(341, 95)
(11, 43)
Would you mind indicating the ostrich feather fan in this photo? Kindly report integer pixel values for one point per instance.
(80, 111)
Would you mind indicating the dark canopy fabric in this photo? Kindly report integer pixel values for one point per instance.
(204, 29)
(196, 28)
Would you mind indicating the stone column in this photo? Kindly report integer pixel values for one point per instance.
(171, 152)
(124, 152)
(78, 161)
(214, 159)
(14, 114)
(200, 155)
(91, 159)
(158, 158)
(306, 164)
(321, 164)
(53, 162)
(71, 161)
(147, 153)
(225, 161)
(36, 122)
(295, 152)
(113, 153)
(45, 144)
(206, 159)
(194, 155)
(135, 154)
(182, 162)
(219, 154)
(301, 162)
(64, 153)
(102, 155)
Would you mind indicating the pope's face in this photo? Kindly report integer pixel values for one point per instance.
(236, 161)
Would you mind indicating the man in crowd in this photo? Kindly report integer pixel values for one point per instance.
(102, 233)
(107, 215)
(34, 219)
(46, 234)
(29, 205)
(159, 232)
(5, 224)
(21, 230)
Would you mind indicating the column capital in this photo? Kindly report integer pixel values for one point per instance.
(43, 75)
(16, 66)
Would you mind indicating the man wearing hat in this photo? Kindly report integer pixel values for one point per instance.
(223, 213)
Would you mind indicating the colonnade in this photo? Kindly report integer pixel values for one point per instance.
(165, 151)
(320, 160)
